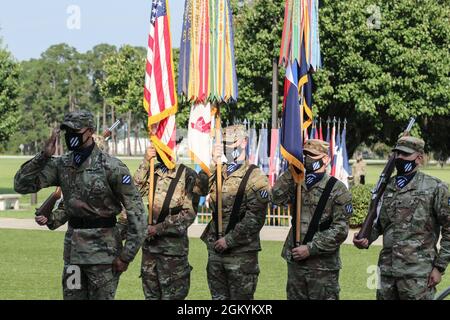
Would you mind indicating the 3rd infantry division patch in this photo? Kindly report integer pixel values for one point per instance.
(126, 179)
(349, 208)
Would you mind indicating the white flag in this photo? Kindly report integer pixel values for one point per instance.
(199, 135)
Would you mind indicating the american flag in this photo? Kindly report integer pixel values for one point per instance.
(160, 100)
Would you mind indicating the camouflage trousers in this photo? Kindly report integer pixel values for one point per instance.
(89, 282)
(393, 288)
(232, 276)
(304, 284)
(165, 277)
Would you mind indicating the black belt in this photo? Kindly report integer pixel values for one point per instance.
(92, 223)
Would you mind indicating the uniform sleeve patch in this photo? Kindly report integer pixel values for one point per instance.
(126, 179)
(349, 208)
(264, 194)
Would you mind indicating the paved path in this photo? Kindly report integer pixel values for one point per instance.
(267, 233)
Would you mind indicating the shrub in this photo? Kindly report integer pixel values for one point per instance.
(361, 195)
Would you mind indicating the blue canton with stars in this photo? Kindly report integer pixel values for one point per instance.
(158, 10)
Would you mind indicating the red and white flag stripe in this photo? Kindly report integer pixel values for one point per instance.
(160, 100)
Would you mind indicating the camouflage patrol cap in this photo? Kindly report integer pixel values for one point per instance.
(232, 134)
(316, 147)
(410, 144)
(77, 120)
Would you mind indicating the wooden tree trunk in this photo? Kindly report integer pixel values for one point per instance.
(136, 137)
(139, 141)
(105, 126)
(129, 134)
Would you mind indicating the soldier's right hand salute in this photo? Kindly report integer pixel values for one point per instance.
(50, 144)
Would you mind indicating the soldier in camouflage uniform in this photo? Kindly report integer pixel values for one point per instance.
(95, 187)
(359, 171)
(313, 266)
(165, 269)
(415, 210)
(57, 218)
(233, 267)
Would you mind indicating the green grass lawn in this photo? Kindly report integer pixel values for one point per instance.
(31, 266)
(31, 261)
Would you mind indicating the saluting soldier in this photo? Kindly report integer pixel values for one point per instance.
(414, 212)
(313, 266)
(95, 187)
(233, 267)
(57, 217)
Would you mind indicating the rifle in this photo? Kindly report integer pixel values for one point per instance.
(47, 207)
(378, 191)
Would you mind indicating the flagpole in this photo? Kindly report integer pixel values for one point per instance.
(298, 198)
(219, 174)
(298, 213)
(151, 181)
(150, 191)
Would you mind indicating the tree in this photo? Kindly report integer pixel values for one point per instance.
(375, 77)
(258, 29)
(49, 88)
(9, 91)
(380, 75)
(123, 86)
(95, 60)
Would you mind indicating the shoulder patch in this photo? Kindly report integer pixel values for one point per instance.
(264, 194)
(126, 179)
(349, 208)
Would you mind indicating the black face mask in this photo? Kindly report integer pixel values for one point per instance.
(312, 165)
(404, 167)
(79, 156)
(74, 140)
(232, 154)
